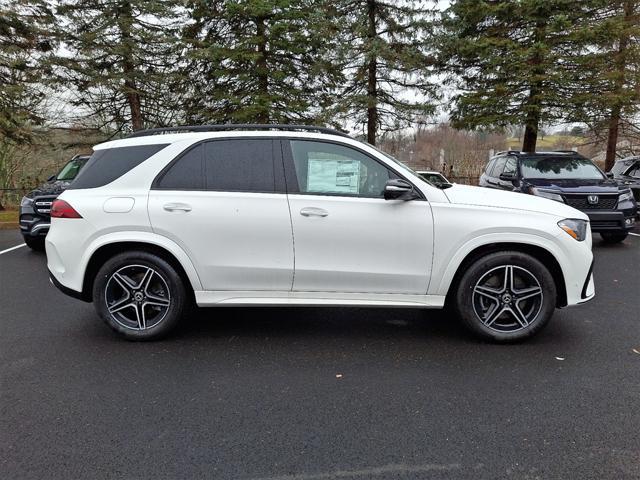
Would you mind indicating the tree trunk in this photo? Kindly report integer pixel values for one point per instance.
(372, 84)
(534, 104)
(263, 115)
(125, 19)
(616, 109)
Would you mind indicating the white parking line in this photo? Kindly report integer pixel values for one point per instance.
(12, 248)
(635, 234)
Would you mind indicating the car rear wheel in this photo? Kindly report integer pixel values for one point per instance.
(35, 243)
(139, 295)
(506, 296)
(609, 237)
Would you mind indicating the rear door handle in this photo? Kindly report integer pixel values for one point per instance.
(177, 207)
(313, 212)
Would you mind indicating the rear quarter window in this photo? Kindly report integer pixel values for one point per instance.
(109, 164)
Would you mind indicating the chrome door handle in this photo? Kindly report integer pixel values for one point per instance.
(313, 212)
(177, 207)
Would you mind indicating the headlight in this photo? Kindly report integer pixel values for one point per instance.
(26, 201)
(575, 227)
(625, 196)
(546, 194)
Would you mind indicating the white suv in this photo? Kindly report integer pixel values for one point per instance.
(292, 215)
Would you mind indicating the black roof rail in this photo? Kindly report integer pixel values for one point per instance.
(236, 126)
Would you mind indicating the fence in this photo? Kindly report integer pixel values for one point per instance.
(465, 180)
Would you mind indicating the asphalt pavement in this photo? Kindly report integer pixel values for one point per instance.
(317, 393)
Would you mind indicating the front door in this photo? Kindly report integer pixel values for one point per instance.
(347, 237)
(223, 202)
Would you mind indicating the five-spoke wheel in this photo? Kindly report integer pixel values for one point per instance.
(139, 295)
(506, 296)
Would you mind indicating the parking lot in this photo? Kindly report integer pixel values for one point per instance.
(318, 393)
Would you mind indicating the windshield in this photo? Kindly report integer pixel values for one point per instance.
(560, 168)
(434, 178)
(71, 169)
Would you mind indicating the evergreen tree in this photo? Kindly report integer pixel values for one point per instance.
(508, 61)
(387, 62)
(25, 42)
(605, 81)
(260, 61)
(120, 57)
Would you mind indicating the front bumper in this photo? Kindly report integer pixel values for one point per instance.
(612, 221)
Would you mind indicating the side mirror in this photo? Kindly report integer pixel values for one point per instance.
(507, 177)
(609, 174)
(51, 178)
(398, 189)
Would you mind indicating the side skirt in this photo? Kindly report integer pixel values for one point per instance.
(239, 298)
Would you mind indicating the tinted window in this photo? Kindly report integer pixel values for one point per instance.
(108, 164)
(186, 172)
(326, 168)
(239, 165)
(510, 166)
(498, 167)
(560, 167)
(634, 171)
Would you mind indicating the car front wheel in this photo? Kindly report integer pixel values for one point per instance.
(139, 295)
(609, 237)
(506, 296)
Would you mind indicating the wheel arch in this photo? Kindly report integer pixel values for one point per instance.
(108, 250)
(540, 253)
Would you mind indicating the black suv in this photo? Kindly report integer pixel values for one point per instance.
(566, 176)
(627, 173)
(35, 205)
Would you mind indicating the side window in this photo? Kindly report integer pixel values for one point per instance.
(108, 164)
(635, 171)
(490, 165)
(498, 167)
(327, 168)
(242, 165)
(186, 173)
(510, 166)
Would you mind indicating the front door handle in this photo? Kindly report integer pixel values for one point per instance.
(313, 212)
(177, 207)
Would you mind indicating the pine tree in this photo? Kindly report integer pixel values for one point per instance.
(605, 84)
(260, 61)
(119, 57)
(25, 42)
(387, 62)
(507, 59)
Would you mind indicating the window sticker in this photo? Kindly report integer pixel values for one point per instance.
(336, 176)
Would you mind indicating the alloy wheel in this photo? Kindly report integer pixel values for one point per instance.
(137, 297)
(507, 298)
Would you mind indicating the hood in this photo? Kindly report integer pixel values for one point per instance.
(488, 197)
(605, 185)
(49, 188)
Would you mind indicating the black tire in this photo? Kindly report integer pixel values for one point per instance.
(520, 311)
(155, 307)
(609, 237)
(35, 243)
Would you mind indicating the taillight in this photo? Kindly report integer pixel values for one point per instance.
(61, 209)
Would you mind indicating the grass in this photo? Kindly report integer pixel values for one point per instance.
(549, 141)
(8, 219)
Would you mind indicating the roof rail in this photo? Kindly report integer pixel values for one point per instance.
(235, 126)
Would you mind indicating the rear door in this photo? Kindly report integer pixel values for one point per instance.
(224, 203)
(348, 238)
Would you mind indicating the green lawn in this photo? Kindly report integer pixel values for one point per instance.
(8, 218)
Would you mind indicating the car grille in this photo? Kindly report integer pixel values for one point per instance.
(42, 205)
(604, 223)
(582, 203)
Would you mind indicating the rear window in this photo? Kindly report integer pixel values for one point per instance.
(106, 165)
(560, 168)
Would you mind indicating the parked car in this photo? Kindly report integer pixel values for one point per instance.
(570, 178)
(435, 178)
(35, 205)
(298, 215)
(627, 173)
